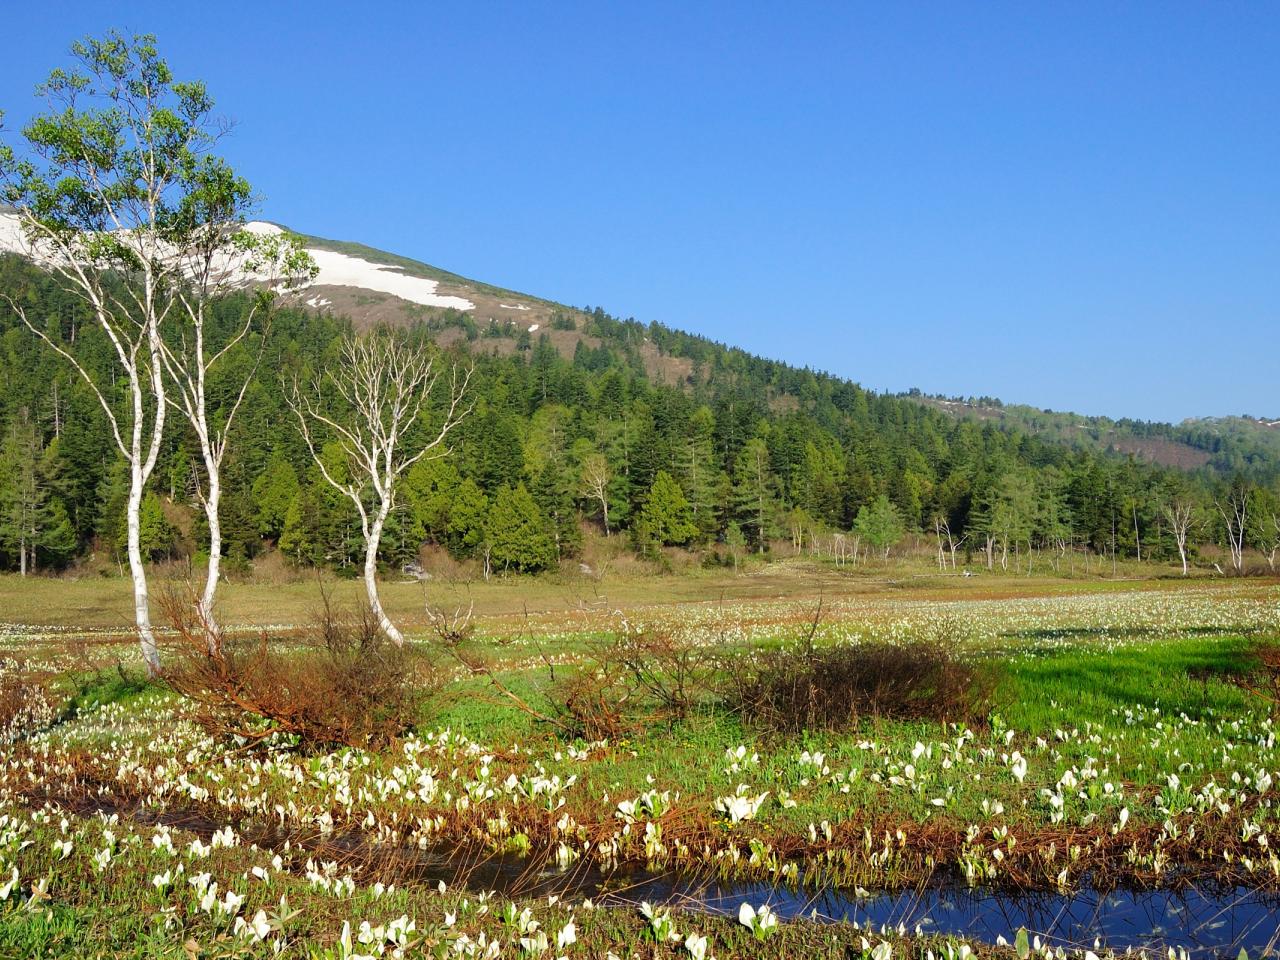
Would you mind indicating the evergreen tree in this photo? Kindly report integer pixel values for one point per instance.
(467, 520)
(699, 472)
(429, 490)
(753, 490)
(33, 521)
(301, 538)
(519, 536)
(553, 489)
(156, 533)
(273, 490)
(666, 519)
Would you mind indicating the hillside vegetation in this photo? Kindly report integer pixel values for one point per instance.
(682, 442)
(1225, 445)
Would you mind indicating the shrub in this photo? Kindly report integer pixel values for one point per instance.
(625, 680)
(1264, 680)
(341, 682)
(835, 688)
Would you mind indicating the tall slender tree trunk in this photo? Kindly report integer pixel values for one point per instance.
(371, 575)
(138, 571)
(213, 636)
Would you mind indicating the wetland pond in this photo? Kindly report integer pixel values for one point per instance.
(1206, 922)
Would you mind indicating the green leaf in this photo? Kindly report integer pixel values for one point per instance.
(1022, 944)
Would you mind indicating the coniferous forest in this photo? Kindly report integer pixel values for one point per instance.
(732, 455)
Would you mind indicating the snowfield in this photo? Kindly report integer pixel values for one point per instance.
(335, 270)
(11, 238)
(341, 270)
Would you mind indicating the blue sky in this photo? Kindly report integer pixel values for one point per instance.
(1074, 205)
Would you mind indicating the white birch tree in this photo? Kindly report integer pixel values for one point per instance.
(595, 483)
(1234, 510)
(217, 261)
(373, 401)
(1181, 514)
(117, 178)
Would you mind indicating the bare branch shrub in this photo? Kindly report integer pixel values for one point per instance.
(1264, 681)
(835, 688)
(664, 663)
(454, 637)
(633, 677)
(341, 682)
(625, 679)
(593, 704)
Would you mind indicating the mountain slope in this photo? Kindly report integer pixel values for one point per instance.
(371, 286)
(1226, 445)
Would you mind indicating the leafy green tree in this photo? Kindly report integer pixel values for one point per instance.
(879, 525)
(519, 536)
(301, 536)
(158, 535)
(1007, 514)
(1053, 518)
(121, 194)
(430, 487)
(1264, 524)
(735, 541)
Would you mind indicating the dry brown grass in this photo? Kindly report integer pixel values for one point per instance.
(836, 688)
(341, 682)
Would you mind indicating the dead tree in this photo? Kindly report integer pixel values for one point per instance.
(1181, 516)
(370, 401)
(947, 539)
(595, 483)
(1235, 515)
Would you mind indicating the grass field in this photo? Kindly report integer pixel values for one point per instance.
(107, 603)
(1124, 744)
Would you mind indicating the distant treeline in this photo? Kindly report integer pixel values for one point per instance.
(739, 452)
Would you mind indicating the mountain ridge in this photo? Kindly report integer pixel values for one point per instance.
(372, 286)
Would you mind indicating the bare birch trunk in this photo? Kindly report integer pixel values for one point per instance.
(212, 633)
(372, 541)
(138, 571)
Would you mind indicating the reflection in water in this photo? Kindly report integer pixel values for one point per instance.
(1209, 923)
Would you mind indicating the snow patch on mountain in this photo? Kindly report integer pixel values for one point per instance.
(343, 270)
(11, 237)
(335, 270)
(340, 270)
